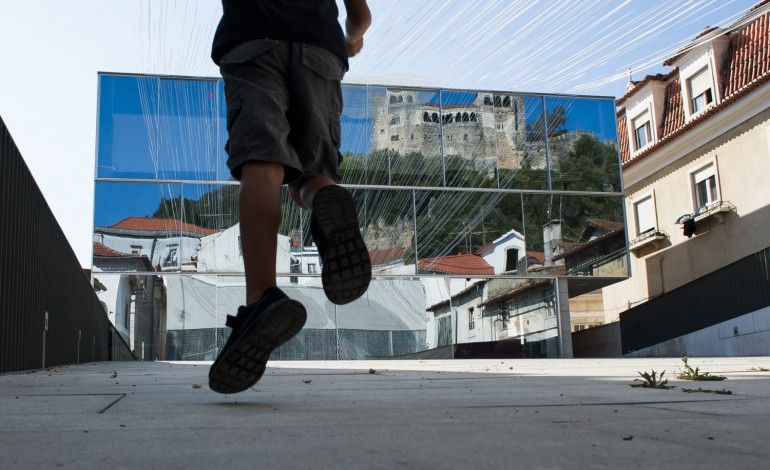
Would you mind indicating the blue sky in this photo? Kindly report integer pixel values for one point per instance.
(53, 49)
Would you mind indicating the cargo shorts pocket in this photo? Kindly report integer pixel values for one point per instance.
(323, 62)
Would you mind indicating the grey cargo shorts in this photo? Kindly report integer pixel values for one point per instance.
(283, 105)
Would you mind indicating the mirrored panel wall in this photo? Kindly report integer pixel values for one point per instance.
(181, 317)
(471, 203)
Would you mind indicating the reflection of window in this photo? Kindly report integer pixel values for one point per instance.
(511, 258)
(392, 99)
(311, 268)
(171, 257)
(400, 99)
(458, 117)
(409, 99)
(465, 136)
(426, 117)
(434, 117)
(394, 138)
(507, 102)
(498, 101)
(644, 211)
(642, 130)
(466, 118)
(488, 100)
(471, 319)
(136, 249)
(411, 136)
(473, 117)
(395, 120)
(704, 183)
(240, 247)
(699, 87)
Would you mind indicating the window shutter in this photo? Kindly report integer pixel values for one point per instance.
(703, 174)
(645, 215)
(699, 82)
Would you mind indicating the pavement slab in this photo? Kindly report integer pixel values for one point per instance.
(549, 413)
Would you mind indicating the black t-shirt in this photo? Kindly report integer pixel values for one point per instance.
(307, 21)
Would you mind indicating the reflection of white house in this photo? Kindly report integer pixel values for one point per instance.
(499, 309)
(135, 303)
(169, 244)
(506, 254)
(222, 252)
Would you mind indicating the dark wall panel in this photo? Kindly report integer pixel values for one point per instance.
(737, 289)
(40, 273)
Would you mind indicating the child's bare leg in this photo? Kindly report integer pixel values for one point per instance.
(260, 217)
(303, 195)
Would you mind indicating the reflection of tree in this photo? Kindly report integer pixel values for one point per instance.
(215, 209)
(449, 222)
(556, 119)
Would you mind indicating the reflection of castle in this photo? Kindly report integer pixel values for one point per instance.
(485, 129)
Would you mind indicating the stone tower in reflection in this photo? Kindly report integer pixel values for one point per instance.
(484, 129)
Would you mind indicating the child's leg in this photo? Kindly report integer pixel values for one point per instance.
(260, 217)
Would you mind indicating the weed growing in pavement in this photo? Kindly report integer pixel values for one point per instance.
(758, 369)
(703, 390)
(695, 374)
(652, 380)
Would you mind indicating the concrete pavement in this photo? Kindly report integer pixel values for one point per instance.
(567, 413)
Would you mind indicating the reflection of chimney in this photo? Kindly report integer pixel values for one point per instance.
(551, 239)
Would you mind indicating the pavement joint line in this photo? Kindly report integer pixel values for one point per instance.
(122, 396)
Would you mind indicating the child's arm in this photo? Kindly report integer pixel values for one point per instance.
(358, 21)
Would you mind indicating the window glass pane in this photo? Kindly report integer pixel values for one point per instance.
(577, 235)
(520, 140)
(159, 128)
(470, 150)
(582, 143)
(214, 209)
(143, 220)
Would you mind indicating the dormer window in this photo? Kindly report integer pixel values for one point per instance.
(699, 87)
(642, 130)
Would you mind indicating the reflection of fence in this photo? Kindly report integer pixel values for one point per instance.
(309, 344)
(50, 314)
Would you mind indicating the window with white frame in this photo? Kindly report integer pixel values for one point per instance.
(471, 319)
(699, 87)
(642, 130)
(312, 268)
(704, 183)
(644, 212)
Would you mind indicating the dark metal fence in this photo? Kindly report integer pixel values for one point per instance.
(734, 290)
(49, 313)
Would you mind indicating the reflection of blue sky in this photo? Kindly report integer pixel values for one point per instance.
(160, 128)
(114, 202)
(586, 114)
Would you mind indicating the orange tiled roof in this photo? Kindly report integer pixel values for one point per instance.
(148, 224)
(538, 255)
(747, 66)
(457, 264)
(107, 252)
(389, 255)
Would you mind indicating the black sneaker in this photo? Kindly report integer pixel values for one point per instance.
(258, 329)
(345, 266)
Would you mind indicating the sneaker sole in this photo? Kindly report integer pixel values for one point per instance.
(243, 363)
(347, 269)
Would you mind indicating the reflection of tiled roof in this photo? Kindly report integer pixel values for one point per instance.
(389, 255)
(746, 67)
(588, 244)
(107, 252)
(148, 224)
(516, 291)
(538, 255)
(608, 225)
(457, 264)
